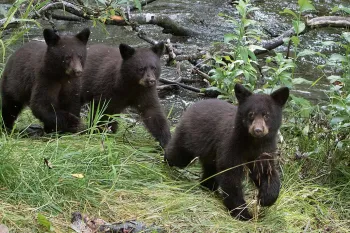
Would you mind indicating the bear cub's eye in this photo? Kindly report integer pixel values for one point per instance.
(67, 59)
(153, 68)
(266, 115)
(251, 115)
(142, 69)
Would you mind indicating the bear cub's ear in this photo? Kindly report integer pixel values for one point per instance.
(158, 49)
(83, 36)
(51, 38)
(280, 96)
(241, 93)
(126, 51)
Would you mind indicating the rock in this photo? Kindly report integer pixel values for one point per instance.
(3, 229)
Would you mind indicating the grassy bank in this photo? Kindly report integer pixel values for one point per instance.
(123, 177)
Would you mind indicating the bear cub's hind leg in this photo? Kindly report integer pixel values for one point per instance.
(10, 110)
(209, 176)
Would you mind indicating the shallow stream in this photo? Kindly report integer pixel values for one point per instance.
(202, 17)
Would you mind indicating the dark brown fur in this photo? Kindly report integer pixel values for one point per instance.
(224, 137)
(126, 77)
(46, 77)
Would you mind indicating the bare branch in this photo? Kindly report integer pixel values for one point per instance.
(275, 42)
(165, 22)
(201, 73)
(329, 21)
(180, 85)
(206, 92)
(67, 17)
(67, 6)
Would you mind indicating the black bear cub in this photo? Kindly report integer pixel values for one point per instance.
(225, 138)
(45, 76)
(126, 77)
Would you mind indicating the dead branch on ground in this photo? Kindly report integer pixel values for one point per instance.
(324, 21)
(329, 21)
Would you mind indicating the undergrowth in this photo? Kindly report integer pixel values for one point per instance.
(122, 176)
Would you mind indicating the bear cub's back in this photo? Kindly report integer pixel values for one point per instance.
(23, 63)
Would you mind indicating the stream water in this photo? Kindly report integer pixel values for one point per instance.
(202, 17)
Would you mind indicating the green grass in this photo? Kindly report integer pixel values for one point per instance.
(124, 178)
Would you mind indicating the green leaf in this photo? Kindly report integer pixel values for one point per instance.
(306, 130)
(236, 73)
(138, 4)
(301, 81)
(255, 47)
(346, 36)
(340, 145)
(286, 40)
(306, 52)
(298, 26)
(335, 9)
(341, 8)
(251, 55)
(334, 78)
(335, 57)
(227, 58)
(229, 37)
(336, 120)
(43, 221)
(248, 22)
(244, 54)
(327, 43)
(305, 5)
(290, 12)
(295, 40)
(253, 9)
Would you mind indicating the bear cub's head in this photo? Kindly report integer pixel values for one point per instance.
(141, 65)
(260, 114)
(67, 53)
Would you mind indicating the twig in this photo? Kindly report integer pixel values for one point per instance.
(165, 22)
(288, 48)
(167, 87)
(142, 35)
(190, 57)
(324, 21)
(49, 17)
(67, 6)
(206, 92)
(170, 51)
(80, 2)
(67, 17)
(274, 43)
(200, 73)
(180, 84)
(191, 80)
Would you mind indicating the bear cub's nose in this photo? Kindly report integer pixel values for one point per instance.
(78, 73)
(258, 132)
(151, 82)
